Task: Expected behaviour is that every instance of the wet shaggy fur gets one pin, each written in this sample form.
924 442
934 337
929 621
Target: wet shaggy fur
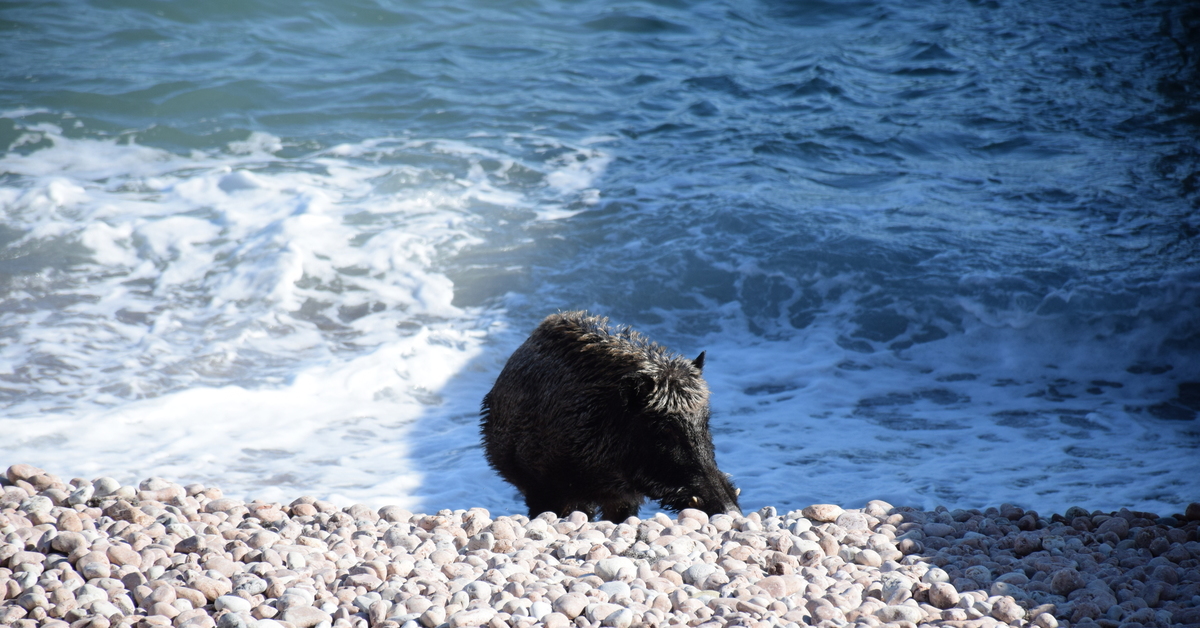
584 416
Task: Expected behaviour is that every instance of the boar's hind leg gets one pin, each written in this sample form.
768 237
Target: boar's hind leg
540 502
619 511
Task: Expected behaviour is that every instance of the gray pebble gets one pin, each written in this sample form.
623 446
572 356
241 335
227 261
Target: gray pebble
943 595
1064 581
938 529
900 612
234 620
36 504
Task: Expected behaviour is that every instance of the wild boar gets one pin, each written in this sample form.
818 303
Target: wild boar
585 415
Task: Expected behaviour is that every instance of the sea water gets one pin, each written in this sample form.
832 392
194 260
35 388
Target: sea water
938 253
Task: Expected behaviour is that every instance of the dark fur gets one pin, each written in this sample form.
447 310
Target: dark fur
584 416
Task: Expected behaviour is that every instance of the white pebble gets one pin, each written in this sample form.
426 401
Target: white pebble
81 495
616 568
105 486
232 603
935 575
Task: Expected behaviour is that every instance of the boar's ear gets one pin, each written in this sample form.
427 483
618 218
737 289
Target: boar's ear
635 387
699 361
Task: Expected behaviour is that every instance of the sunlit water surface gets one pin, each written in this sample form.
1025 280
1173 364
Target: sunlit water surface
937 252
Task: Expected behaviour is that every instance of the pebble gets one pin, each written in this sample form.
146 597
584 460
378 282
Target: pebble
433 617
823 512
943 595
570 604
1007 610
616 568
900 612
232 603
306 616
101 555
473 617
1064 581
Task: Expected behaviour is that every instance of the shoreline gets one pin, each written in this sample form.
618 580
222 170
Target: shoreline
95 554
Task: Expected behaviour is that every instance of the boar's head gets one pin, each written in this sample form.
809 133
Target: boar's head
678 467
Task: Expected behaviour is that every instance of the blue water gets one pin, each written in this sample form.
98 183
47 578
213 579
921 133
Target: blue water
938 252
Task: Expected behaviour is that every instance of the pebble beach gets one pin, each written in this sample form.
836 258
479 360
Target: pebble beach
96 554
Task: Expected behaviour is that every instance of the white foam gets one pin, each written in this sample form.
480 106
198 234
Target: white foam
336 430
964 422
272 326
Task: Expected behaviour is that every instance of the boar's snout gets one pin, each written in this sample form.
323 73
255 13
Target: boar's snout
717 497
718 508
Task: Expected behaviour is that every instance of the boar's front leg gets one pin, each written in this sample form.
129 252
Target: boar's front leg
540 502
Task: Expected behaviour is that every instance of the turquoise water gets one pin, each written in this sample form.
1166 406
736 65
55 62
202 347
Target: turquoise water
938 252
